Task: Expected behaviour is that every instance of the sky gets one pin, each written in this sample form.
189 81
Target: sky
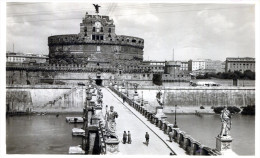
194 31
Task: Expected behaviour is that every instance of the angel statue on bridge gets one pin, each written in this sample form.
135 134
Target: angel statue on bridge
226 122
111 115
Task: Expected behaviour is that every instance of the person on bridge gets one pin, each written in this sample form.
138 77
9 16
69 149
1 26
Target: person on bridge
147 138
129 138
124 99
124 137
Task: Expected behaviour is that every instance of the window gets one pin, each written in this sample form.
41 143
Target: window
133 40
93 37
101 30
109 30
97 37
109 35
94 29
98 48
101 37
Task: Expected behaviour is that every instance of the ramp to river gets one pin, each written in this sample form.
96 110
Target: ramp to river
138 125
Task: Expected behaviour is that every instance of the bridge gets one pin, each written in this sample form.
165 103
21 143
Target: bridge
130 120
135 118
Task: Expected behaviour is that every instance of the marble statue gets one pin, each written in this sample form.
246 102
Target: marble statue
111 115
225 117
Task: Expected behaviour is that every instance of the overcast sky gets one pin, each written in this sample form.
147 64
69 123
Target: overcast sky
209 31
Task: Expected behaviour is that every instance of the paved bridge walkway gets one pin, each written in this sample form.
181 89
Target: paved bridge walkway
130 120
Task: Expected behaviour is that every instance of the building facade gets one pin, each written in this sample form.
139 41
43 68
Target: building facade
184 66
97 41
12 57
214 65
194 65
174 72
240 64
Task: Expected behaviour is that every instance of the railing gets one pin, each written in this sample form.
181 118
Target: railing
191 146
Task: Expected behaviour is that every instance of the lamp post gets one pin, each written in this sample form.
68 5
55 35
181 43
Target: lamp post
127 89
175 122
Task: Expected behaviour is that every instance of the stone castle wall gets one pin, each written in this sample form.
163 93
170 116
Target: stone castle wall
23 77
72 49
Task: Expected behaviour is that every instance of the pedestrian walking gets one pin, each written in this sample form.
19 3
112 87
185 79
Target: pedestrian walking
147 138
124 99
129 138
124 137
170 136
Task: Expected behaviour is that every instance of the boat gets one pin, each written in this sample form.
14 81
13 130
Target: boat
76 150
78 132
204 84
74 119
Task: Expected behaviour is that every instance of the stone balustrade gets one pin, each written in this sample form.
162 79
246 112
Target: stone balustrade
190 145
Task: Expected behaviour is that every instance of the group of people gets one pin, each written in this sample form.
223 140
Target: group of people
127 137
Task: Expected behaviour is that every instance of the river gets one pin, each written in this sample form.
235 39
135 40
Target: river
52 135
46 134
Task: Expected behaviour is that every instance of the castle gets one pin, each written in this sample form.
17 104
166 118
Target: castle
95 52
96 43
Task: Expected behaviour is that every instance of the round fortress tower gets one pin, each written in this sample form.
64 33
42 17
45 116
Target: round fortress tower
96 42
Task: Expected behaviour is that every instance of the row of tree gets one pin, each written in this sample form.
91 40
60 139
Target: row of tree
248 74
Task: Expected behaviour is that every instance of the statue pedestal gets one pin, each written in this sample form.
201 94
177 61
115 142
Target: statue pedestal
97 116
159 113
135 96
223 144
123 90
112 146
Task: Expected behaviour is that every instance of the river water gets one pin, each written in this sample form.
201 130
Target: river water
40 134
52 135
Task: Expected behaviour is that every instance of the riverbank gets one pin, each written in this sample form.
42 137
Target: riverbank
187 110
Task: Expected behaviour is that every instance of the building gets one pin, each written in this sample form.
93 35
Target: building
154 66
96 41
12 57
174 72
214 65
240 64
196 65
184 66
